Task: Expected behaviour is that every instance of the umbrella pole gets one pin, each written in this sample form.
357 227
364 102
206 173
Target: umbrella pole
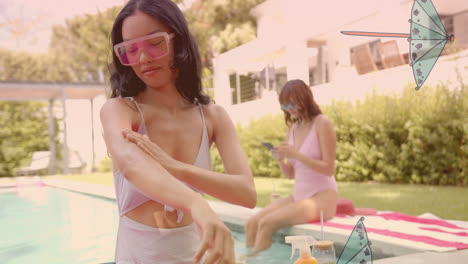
376 34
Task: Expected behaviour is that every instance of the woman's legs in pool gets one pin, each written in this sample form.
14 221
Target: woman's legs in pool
252 222
297 212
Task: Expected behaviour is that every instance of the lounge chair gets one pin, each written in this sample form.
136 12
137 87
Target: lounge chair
39 164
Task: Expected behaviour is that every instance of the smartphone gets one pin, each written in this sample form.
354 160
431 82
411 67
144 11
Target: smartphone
267 145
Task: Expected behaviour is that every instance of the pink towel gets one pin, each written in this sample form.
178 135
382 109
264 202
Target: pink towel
416 232
345 206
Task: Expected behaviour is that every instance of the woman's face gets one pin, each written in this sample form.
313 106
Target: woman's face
292 107
153 72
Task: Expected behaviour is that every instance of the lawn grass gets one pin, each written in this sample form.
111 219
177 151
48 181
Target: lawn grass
444 201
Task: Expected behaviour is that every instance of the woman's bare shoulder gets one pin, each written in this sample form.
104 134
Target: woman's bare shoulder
215 113
321 118
116 107
218 120
324 123
112 103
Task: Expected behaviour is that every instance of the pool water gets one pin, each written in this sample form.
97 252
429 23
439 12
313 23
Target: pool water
48 225
278 253
55 226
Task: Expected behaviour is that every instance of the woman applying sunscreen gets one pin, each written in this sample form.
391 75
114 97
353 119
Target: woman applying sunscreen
158 128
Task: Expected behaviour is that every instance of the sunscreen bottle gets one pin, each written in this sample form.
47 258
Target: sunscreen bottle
303 243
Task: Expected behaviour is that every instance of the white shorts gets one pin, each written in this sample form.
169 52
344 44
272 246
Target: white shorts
141 244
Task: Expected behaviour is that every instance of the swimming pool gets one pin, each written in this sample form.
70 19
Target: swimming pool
55 226
49 225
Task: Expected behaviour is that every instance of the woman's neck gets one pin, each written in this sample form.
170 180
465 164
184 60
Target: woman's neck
167 98
303 122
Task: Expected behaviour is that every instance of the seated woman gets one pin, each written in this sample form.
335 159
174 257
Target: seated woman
308 156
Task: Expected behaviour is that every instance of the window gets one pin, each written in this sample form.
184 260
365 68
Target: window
245 90
449 28
448 24
374 52
281 78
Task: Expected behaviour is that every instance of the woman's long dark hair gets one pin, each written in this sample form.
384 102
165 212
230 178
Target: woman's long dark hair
124 82
300 93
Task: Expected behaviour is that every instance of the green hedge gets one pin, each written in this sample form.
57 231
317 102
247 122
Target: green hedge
104 165
23 130
415 137
265 129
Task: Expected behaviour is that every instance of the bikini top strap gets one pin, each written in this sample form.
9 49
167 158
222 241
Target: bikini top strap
142 123
201 113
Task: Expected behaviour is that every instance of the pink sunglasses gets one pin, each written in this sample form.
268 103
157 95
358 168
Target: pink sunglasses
155 46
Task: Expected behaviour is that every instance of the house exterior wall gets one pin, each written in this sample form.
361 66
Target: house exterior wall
350 87
292 23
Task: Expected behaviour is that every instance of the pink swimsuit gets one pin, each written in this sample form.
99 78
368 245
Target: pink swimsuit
141 244
308 182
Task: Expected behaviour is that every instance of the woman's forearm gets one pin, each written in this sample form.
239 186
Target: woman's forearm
286 168
156 182
231 188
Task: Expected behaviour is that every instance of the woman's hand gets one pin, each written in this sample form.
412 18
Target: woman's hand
285 151
153 150
276 155
217 244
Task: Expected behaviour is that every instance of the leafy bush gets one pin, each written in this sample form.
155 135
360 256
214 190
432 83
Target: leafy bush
417 137
265 129
23 130
104 165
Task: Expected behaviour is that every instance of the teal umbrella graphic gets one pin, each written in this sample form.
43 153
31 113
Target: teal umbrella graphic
427 39
357 249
